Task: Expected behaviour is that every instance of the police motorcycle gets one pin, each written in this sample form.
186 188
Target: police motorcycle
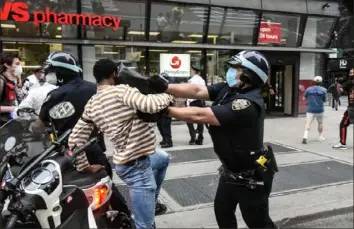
41 187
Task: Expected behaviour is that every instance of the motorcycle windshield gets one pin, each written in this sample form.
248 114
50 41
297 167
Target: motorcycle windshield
23 135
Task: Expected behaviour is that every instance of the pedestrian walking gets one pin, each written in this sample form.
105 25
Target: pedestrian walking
348 116
316 96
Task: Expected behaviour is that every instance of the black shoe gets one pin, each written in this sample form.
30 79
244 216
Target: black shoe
160 209
304 141
162 142
199 141
167 145
192 141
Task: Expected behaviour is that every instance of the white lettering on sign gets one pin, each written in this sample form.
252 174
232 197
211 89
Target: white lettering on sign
269 32
343 63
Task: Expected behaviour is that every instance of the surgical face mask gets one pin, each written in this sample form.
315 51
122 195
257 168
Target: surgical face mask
18 71
231 77
51 78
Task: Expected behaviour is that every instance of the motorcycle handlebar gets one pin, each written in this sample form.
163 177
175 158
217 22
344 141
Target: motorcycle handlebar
43 155
11 222
83 147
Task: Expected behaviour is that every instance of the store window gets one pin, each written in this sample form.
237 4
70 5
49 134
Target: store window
230 26
318 32
279 30
129 19
91 54
297 6
182 24
45 20
33 55
217 68
250 4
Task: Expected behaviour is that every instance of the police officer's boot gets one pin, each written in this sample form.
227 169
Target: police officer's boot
200 139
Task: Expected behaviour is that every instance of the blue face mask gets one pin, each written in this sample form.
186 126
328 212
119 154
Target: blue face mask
231 77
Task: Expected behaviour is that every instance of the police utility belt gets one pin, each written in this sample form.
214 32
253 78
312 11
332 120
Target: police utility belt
265 166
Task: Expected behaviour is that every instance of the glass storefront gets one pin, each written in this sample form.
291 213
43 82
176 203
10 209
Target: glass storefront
132 20
231 26
183 24
280 30
33 55
318 32
92 53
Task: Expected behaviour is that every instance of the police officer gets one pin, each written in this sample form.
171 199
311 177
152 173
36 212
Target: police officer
74 89
236 121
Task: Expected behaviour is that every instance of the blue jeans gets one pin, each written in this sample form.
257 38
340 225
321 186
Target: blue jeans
144 178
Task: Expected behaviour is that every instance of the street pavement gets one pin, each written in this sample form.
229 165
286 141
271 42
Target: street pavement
313 178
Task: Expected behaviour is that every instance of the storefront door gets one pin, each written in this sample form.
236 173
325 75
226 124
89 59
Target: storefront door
276 100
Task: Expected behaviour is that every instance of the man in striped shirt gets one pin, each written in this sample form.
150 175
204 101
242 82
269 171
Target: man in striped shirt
137 162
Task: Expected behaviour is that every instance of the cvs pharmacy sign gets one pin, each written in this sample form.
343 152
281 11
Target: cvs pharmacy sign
19 12
269 32
175 65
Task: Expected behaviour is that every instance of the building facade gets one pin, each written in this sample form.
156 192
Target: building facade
340 62
169 36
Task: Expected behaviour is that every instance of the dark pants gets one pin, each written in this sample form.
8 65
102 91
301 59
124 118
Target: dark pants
95 155
348 118
335 101
254 204
200 127
164 126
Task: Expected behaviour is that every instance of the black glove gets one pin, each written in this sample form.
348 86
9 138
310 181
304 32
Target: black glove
159 83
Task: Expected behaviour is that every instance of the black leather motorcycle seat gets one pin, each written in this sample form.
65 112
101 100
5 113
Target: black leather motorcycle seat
83 179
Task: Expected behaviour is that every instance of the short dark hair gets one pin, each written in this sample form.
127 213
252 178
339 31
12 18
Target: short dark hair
7 58
103 69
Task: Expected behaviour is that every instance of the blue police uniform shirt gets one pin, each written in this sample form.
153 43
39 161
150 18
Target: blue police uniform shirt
229 114
316 97
77 91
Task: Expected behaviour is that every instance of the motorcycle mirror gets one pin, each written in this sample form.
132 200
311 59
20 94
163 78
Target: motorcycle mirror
62 110
10 143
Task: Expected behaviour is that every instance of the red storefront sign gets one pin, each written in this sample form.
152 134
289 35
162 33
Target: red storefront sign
269 32
22 14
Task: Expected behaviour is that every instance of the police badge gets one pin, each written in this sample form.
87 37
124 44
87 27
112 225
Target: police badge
240 104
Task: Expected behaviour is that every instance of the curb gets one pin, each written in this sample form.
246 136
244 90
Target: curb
286 222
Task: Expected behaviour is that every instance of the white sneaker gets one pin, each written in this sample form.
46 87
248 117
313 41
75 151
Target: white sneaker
340 146
321 138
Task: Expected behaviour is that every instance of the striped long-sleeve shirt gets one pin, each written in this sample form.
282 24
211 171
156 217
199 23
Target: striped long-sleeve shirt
113 111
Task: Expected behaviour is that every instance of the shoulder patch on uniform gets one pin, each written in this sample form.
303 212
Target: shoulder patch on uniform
240 104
